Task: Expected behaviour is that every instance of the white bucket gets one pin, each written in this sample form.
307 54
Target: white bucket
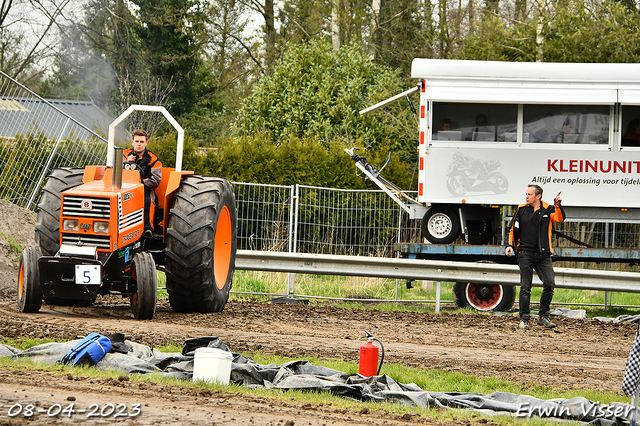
212 365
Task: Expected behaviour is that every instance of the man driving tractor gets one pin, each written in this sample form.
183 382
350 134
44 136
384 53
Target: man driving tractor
150 168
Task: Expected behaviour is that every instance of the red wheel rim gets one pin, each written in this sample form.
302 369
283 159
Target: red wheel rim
222 248
21 281
484 297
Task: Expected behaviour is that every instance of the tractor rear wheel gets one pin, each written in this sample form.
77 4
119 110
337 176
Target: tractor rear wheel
29 289
143 301
48 217
484 297
201 245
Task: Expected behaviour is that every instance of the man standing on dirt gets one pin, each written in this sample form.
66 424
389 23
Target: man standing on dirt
530 240
150 169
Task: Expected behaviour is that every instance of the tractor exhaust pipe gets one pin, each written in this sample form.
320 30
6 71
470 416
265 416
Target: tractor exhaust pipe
116 179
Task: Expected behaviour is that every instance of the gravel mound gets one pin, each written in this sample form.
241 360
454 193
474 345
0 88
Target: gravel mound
17 230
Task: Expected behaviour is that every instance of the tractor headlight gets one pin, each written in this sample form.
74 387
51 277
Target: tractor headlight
70 225
101 227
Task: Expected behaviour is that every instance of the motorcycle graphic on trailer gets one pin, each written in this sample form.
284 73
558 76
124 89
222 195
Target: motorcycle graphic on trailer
468 174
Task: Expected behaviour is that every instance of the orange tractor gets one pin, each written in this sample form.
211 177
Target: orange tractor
89 231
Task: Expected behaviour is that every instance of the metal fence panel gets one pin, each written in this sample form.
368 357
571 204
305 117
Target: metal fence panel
349 222
36 138
308 219
264 216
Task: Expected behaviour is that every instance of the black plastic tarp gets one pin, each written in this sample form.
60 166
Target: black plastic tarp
302 375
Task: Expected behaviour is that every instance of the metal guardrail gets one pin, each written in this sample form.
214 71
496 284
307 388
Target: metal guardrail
436 270
466 252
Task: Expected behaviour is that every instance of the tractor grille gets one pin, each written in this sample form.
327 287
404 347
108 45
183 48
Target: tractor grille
126 221
98 208
99 241
134 218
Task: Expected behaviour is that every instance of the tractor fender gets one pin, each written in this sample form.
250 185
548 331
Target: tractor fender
168 186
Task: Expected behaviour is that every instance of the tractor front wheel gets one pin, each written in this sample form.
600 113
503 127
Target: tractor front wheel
29 289
143 301
201 245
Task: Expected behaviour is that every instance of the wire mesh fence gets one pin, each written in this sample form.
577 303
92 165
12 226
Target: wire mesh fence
36 137
308 219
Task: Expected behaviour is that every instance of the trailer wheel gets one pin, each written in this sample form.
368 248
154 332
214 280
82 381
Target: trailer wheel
29 289
48 217
143 301
440 225
201 245
480 232
484 297
482 238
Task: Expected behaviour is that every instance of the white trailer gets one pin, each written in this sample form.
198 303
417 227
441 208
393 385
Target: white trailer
488 129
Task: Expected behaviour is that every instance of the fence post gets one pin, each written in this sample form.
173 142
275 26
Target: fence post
291 278
400 211
36 190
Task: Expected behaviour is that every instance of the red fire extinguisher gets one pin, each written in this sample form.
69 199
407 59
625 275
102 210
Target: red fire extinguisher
369 356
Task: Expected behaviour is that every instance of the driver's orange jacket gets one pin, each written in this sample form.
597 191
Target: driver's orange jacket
150 167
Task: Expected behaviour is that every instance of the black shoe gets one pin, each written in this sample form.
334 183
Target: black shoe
546 322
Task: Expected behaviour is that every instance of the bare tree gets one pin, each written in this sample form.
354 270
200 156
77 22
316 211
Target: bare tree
266 9
147 90
27 36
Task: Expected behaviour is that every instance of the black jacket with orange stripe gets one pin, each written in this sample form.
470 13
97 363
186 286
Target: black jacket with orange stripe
150 165
549 215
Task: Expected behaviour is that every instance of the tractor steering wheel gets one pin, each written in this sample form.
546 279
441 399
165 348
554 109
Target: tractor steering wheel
131 165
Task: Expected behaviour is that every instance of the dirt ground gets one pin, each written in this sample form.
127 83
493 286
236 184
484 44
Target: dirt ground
576 355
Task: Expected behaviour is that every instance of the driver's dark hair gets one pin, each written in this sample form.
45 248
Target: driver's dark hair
139 132
537 189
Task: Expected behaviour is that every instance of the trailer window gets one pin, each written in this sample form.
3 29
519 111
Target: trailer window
630 126
569 124
474 122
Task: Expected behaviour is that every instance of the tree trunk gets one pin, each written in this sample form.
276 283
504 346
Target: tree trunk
428 17
335 24
375 13
443 27
520 10
539 39
270 32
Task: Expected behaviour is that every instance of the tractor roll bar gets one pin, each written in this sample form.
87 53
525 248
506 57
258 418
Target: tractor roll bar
112 134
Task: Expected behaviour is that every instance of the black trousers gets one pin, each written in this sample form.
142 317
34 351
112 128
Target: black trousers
150 202
527 262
